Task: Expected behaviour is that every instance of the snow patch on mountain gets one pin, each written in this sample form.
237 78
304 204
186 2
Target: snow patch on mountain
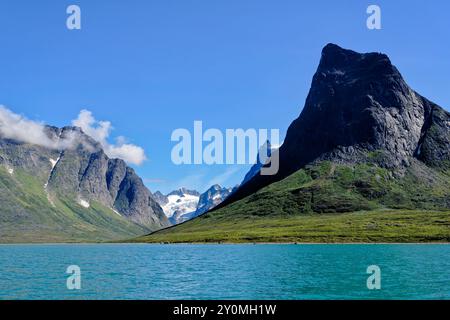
183 204
54 162
180 204
84 203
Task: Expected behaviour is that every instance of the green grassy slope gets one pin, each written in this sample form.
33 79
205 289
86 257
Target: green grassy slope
331 202
363 226
26 215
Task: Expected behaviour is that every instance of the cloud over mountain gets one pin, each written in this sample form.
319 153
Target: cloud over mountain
100 131
18 127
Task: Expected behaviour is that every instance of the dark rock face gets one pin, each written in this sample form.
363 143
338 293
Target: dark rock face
115 174
84 173
434 144
358 105
160 198
29 157
135 201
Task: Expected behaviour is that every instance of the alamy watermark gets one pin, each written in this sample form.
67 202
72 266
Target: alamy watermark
235 146
73 281
374 280
373 22
73 21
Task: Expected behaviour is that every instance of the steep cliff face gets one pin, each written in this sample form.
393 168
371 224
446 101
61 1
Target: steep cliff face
434 143
357 102
136 202
81 174
359 105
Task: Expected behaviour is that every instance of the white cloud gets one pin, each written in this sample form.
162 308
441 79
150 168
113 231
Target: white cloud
14 126
128 152
100 131
18 127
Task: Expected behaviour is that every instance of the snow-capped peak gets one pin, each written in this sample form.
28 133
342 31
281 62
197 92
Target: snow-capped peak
178 202
183 204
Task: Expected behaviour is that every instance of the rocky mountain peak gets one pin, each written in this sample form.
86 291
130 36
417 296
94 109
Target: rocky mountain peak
72 165
334 57
183 191
215 187
212 197
160 198
359 106
356 101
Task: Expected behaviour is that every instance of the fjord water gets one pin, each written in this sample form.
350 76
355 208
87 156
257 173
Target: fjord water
142 271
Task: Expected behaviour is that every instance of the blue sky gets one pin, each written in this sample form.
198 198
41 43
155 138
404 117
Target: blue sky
151 67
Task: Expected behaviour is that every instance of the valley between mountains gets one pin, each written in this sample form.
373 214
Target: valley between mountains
367 160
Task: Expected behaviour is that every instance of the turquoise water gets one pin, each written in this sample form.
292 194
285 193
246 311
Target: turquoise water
138 271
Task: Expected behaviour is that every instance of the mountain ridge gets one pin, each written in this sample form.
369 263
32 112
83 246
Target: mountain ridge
76 173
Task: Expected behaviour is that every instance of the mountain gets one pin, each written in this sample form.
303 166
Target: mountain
184 191
368 154
183 204
72 192
160 198
208 200
178 203
254 170
358 104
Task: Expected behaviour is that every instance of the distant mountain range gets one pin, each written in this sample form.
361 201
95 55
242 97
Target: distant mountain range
184 204
178 203
65 188
368 159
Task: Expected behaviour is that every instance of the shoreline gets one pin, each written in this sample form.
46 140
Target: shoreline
222 243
